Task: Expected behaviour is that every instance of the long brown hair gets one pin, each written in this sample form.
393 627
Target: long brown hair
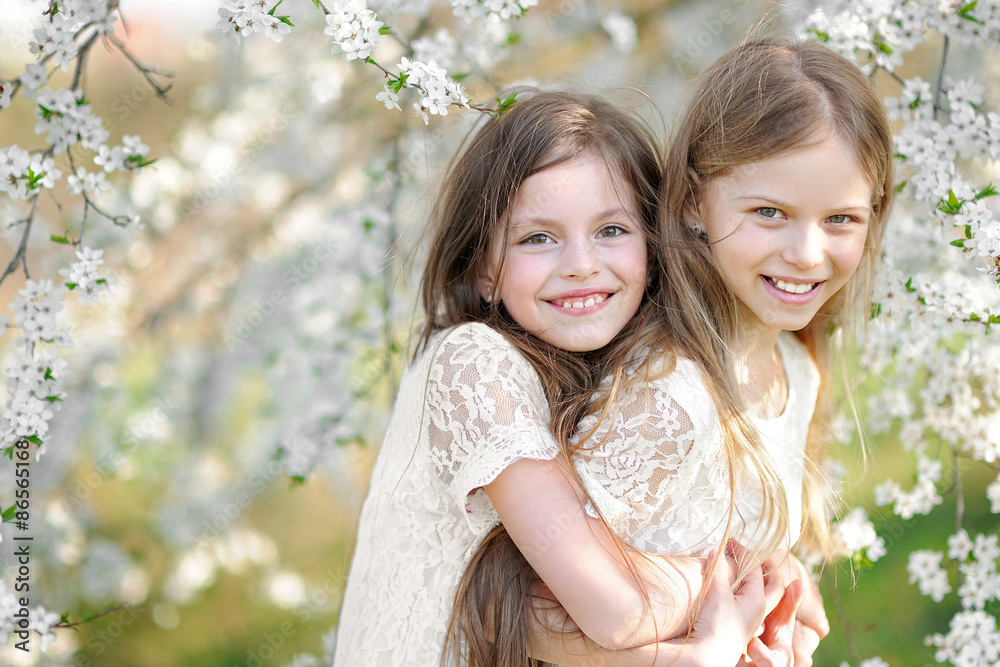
542 130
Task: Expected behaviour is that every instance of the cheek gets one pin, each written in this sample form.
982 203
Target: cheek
851 256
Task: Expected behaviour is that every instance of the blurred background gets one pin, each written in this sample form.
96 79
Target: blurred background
223 410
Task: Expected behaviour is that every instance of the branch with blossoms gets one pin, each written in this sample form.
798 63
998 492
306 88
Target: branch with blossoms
356 31
67 32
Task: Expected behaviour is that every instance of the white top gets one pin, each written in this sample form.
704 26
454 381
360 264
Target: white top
661 479
468 407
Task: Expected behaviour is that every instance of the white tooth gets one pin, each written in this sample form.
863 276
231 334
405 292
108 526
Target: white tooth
589 303
599 299
567 304
578 304
793 288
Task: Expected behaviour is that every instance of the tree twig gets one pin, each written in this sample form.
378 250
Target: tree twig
147 72
940 81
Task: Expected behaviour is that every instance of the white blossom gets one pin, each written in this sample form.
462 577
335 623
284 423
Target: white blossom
470 10
41 621
354 28
622 30
855 532
924 567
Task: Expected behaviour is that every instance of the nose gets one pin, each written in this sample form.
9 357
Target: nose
806 247
580 259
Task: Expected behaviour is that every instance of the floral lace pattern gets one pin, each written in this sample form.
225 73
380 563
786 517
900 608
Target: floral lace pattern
468 407
657 471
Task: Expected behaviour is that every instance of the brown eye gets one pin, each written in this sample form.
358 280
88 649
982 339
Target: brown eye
611 231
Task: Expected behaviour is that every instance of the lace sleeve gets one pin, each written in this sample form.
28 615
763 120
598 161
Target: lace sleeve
653 468
486 410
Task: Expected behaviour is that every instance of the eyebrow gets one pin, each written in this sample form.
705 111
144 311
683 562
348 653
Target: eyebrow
607 214
851 208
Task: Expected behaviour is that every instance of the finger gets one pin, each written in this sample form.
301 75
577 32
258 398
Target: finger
750 599
774 591
804 643
780 623
811 611
778 655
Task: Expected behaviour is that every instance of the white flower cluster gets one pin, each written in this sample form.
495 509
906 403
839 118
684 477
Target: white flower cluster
54 40
34 378
355 29
973 639
436 90
23 173
84 276
924 567
921 499
130 156
855 533
879 33
242 18
39 620
469 10
67 120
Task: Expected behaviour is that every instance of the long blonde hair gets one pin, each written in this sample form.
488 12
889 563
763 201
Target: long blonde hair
763 98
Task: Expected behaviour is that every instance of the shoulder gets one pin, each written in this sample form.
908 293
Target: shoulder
474 342
475 354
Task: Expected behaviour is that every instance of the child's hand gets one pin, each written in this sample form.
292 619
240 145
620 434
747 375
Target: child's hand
729 619
811 624
773 648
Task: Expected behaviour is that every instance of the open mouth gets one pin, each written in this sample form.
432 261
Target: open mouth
790 287
581 301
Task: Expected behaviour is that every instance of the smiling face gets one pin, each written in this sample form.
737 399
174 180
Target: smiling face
574 269
788 232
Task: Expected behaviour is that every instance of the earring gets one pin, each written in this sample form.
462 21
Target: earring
489 297
696 229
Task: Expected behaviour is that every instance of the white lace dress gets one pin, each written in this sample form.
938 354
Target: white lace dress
467 408
661 480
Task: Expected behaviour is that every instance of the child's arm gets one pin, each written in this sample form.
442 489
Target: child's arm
578 558
725 626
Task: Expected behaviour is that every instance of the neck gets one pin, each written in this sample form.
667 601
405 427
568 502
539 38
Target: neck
761 374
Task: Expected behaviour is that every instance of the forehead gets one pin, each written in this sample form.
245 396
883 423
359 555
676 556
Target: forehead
822 173
585 183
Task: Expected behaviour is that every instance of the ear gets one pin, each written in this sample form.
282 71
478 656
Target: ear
485 282
692 213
